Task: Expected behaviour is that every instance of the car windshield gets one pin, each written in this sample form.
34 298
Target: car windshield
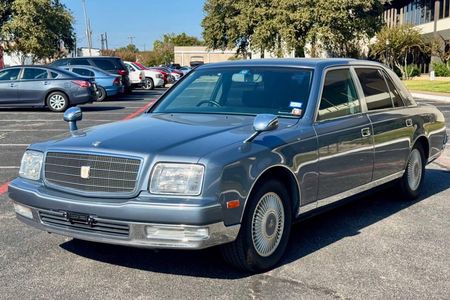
241 90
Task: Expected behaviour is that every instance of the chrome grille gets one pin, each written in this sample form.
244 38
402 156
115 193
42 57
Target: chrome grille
104 227
106 173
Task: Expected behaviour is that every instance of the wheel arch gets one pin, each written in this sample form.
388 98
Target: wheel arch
424 143
285 176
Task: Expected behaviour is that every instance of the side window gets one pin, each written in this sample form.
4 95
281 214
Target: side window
395 94
339 96
34 73
54 75
10 74
80 61
105 64
83 72
375 89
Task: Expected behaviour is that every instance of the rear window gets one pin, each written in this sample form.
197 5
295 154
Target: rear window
109 64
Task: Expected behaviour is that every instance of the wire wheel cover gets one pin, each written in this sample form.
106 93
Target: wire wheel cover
414 169
267 224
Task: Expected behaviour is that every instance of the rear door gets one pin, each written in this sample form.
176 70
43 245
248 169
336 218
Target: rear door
393 128
343 135
9 86
33 86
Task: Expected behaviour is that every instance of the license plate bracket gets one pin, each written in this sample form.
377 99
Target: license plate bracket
80 218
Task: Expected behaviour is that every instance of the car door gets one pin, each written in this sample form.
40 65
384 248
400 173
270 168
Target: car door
344 138
392 125
9 86
33 85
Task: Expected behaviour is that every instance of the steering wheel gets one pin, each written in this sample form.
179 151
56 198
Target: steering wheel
214 103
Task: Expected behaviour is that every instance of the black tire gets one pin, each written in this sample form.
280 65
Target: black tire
148 84
411 185
57 101
101 94
242 253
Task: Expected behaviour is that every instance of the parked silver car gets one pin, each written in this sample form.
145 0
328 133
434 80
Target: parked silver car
231 156
40 86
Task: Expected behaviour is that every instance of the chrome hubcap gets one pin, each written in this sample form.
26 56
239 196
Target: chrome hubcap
57 102
414 170
267 224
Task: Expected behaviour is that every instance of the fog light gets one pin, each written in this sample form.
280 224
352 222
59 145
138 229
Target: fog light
178 233
23 211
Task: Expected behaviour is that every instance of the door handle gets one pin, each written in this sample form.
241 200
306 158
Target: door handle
13 84
45 82
365 132
409 123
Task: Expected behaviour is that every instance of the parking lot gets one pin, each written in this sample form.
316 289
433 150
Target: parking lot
374 247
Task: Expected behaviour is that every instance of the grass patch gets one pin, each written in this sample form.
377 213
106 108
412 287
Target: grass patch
428 86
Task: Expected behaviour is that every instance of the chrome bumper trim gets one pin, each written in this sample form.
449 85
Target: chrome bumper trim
218 233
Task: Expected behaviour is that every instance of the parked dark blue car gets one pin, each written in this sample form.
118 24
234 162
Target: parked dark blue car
41 86
108 84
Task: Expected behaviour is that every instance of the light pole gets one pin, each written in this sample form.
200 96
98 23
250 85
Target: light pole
88 28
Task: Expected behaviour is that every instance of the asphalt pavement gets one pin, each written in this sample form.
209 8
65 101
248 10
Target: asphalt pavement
373 247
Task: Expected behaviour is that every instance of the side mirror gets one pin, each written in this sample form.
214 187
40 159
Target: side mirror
263 122
72 115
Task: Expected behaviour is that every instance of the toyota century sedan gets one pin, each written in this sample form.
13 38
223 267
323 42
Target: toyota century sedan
232 155
42 86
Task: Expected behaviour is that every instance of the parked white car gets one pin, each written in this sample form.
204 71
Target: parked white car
151 78
137 76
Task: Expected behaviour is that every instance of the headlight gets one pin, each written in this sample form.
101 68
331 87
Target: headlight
179 179
31 165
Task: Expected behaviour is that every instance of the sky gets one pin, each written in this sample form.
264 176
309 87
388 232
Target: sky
145 20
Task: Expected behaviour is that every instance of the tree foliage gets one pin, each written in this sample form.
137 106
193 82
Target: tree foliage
286 25
40 28
395 45
164 49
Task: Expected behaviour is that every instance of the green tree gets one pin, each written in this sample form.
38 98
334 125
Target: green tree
40 28
164 48
285 25
129 48
395 45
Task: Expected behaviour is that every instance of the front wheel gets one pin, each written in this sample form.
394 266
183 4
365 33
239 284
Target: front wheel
265 230
411 182
57 101
148 84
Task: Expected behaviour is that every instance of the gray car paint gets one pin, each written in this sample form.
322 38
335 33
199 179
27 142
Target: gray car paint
22 92
303 151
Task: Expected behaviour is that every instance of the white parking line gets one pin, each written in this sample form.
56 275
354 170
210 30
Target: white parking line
14 145
9 167
39 130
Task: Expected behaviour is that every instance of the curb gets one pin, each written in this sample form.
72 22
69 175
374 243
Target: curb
431 97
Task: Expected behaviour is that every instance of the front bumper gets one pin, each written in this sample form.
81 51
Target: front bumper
132 222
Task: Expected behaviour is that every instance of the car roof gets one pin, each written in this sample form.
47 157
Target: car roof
33 66
297 62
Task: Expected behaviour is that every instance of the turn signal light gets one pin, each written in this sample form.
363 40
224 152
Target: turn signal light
233 203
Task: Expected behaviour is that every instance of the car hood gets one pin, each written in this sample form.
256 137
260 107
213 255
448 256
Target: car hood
183 135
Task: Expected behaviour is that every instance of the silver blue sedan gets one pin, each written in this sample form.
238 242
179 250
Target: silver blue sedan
42 86
108 84
232 155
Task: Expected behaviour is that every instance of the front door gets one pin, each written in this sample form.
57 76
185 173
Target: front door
9 86
344 136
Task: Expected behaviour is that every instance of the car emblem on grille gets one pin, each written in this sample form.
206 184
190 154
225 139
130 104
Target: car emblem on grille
96 144
85 172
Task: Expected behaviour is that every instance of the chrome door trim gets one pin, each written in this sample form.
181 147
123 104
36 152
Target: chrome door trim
352 192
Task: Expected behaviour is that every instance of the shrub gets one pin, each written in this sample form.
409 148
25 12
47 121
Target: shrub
441 69
412 71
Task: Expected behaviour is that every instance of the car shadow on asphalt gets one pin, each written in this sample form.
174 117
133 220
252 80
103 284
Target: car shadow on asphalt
307 236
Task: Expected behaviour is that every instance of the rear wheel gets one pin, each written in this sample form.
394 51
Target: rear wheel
101 93
265 230
148 84
57 101
411 182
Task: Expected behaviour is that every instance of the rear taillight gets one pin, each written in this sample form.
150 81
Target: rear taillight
122 72
140 77
82 83
116 81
